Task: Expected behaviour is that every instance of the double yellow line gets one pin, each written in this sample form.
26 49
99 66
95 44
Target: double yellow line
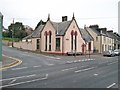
15 63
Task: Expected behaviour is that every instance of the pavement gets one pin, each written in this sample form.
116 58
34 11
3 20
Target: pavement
8 62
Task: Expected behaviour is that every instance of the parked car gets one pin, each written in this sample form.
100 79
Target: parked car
117 52
109 53
73 53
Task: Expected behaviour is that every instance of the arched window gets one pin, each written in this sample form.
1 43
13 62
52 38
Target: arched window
75 40
45 40
50 34
72 33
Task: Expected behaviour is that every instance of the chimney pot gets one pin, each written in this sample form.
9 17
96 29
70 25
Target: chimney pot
64 18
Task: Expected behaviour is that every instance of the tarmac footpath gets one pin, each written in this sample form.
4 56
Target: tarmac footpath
9 62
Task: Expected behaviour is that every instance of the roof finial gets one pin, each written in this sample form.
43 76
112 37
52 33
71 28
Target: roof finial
73 16
85 26
13 20
48 17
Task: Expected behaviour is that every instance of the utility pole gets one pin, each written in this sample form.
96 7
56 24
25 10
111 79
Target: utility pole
1 26
13 33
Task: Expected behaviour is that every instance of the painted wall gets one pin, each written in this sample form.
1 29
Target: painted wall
67 39
48 27
30 45
96 43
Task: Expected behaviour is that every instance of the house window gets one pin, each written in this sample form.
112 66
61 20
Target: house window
96 38
104 39
102 47
72 33
89 46
38 42
105 47
45 40
50 33
57 44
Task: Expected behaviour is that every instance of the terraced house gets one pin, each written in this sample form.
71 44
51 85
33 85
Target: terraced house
103 39
58 37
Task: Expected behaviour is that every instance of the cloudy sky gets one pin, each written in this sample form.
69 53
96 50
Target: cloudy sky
89 12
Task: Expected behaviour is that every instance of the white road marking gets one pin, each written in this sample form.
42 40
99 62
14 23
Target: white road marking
68 69
50 57
82 60
25 54
12 81
111 63
69 61
75 61
46 76
19 68
50 64
95 74
111 85
18 77
37 66
84 69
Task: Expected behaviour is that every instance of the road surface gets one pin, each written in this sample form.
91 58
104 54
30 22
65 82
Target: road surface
41 71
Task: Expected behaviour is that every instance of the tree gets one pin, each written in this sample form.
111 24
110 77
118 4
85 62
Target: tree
5 34
17 30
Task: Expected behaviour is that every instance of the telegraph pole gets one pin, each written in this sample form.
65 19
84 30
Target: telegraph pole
12 33
1 26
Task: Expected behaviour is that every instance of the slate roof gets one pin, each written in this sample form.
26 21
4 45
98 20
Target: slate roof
36 33
98 30
111 35
94 30
85 35
61 27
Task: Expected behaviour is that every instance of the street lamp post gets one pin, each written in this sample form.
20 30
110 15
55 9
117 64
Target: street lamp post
12 38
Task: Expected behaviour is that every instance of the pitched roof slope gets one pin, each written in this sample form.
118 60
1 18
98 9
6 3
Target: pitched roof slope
36 33
85 35
61 27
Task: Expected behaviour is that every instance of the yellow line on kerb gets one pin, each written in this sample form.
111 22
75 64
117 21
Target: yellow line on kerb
15 63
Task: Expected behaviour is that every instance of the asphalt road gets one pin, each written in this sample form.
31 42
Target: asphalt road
41 71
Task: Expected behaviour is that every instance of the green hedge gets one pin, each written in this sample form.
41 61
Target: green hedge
10 39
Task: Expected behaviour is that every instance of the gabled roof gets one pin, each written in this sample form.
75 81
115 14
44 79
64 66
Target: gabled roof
117 36
94 30
85 35
61 27
36 33
111 34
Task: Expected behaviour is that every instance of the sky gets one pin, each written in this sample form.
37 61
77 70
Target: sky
87 12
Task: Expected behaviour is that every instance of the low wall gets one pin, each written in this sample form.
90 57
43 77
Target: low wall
25 45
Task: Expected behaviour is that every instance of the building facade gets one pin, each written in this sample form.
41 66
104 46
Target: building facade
59 38
103 40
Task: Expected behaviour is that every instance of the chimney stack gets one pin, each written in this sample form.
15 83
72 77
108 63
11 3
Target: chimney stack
64 18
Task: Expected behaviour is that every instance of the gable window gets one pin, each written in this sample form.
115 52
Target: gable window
57 44
50 33
75 40
38 43
72 33
89 46
96 38
45 40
